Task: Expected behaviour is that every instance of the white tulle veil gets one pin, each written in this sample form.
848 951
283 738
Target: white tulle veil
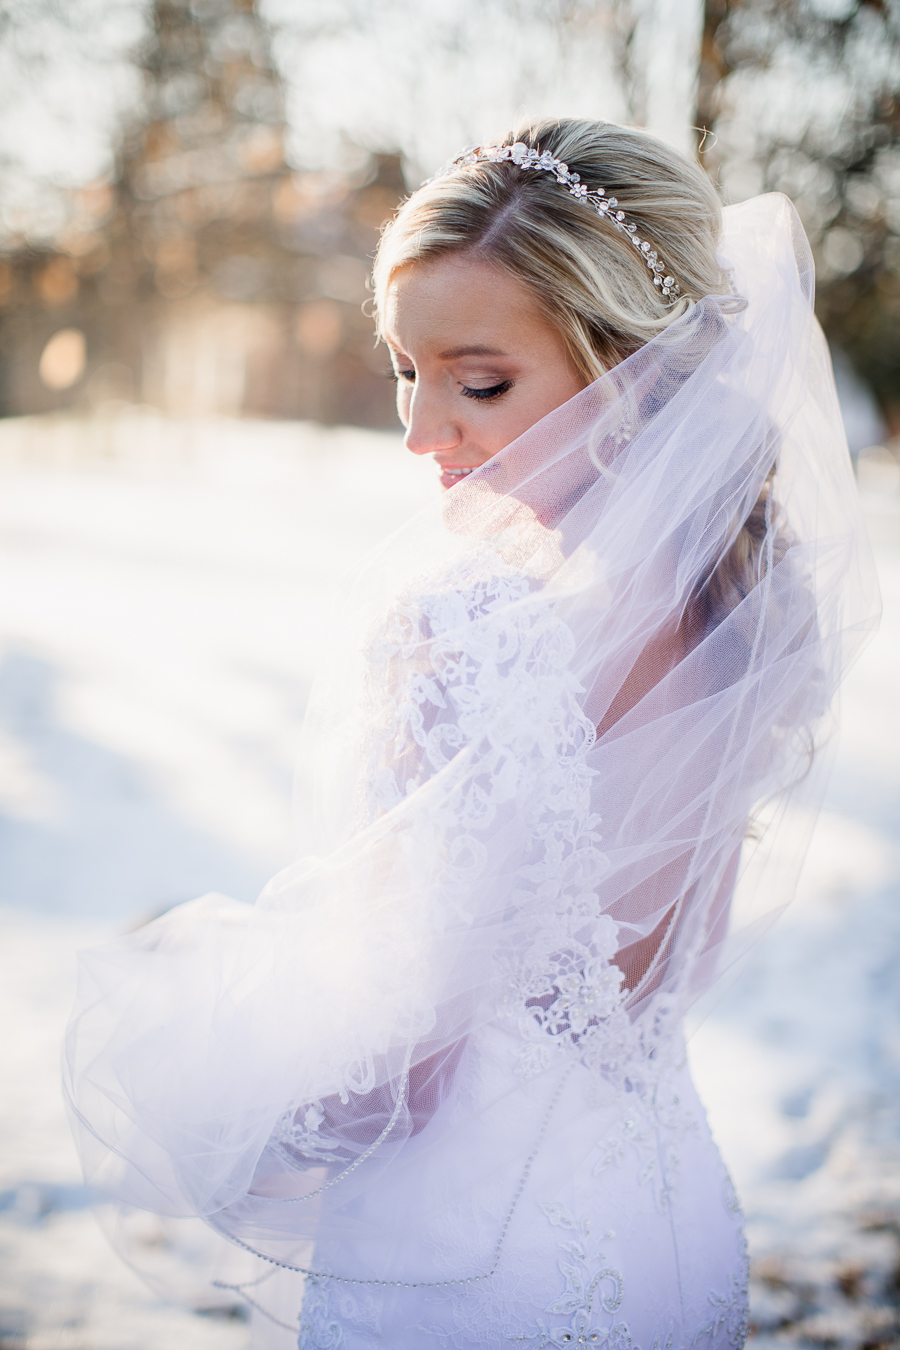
551 781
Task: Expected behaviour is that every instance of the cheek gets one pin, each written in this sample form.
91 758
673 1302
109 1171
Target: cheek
505 426
521 415
404 397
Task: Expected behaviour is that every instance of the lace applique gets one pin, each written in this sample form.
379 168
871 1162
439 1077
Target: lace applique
731 1312
298 1132
592 1288
730 1195
654 1131
327 1308
563 994
468 658
461 660
317 1329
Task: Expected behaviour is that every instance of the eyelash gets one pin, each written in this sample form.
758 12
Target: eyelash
482 395
485 395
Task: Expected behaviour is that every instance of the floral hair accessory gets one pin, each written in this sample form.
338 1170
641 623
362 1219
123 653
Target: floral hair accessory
526 158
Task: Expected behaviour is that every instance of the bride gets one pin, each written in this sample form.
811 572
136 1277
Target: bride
434 1083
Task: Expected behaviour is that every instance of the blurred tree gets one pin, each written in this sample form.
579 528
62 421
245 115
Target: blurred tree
206 271
804 98
431 77
659 56
205 274
66 79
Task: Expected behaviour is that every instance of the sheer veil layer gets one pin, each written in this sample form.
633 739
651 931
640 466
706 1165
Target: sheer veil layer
557 774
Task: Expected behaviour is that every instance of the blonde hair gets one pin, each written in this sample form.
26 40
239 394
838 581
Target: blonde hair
587 278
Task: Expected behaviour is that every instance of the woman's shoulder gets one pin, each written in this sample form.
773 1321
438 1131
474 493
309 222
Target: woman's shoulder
458 595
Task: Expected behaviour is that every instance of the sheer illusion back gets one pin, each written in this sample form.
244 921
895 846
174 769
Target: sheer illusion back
435 1075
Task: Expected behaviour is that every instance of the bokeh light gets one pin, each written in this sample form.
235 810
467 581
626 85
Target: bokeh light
63 359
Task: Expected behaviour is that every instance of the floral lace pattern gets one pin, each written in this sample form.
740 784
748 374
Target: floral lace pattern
318 1329
438 671
467 659
594 1292
473 659
653 1132
327 1308
730 1310
730 1314
300 1132
592 1288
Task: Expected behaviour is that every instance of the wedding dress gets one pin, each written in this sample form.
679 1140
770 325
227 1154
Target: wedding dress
556 778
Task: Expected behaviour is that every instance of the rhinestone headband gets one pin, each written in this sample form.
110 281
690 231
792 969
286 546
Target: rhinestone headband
525 158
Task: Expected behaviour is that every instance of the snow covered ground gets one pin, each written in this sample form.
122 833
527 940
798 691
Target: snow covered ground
162 588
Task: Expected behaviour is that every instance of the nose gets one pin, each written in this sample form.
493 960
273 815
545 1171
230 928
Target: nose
429 426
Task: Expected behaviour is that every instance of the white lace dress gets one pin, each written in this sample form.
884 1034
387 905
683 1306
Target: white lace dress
567 1192
435 1075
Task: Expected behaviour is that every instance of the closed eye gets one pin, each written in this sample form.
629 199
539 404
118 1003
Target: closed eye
495 391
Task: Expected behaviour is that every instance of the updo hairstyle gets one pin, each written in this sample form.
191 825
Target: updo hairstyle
586 276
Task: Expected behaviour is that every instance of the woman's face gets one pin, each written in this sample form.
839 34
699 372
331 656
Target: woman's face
476 361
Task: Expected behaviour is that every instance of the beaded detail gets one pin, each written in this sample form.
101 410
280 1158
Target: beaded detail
608 207
322 1275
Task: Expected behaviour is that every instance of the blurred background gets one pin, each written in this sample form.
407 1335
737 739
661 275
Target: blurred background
197 434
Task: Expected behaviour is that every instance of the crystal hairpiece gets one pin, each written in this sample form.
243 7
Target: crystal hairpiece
525 158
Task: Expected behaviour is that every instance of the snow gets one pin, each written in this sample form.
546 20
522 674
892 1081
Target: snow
162 589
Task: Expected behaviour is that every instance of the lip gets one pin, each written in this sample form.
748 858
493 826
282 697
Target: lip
451 474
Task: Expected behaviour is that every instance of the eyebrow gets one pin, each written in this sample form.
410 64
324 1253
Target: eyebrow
455 352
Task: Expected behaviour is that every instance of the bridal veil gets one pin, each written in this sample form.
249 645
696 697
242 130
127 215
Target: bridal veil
556 777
